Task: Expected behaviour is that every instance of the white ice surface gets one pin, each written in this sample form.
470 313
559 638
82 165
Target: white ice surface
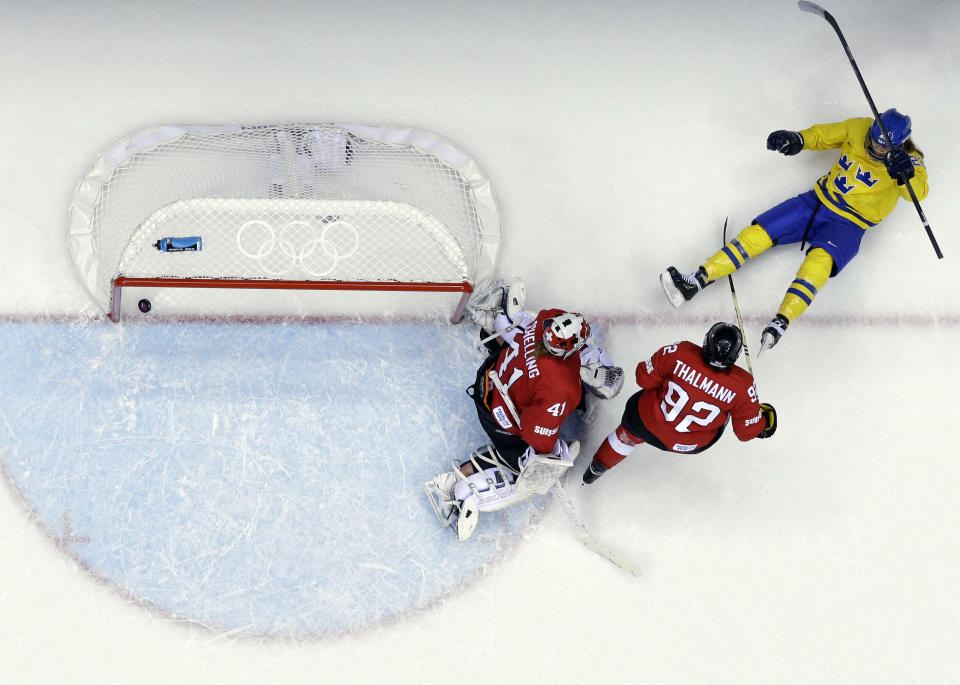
618 136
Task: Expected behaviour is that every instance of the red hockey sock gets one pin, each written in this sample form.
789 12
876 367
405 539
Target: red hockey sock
616 447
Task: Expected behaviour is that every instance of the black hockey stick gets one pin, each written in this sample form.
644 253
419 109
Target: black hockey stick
814 8
736 305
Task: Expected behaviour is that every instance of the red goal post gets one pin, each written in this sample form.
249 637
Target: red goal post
185 209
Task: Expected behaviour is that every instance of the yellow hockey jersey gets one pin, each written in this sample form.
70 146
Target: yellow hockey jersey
857 187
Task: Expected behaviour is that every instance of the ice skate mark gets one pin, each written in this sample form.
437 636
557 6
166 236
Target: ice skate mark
68 537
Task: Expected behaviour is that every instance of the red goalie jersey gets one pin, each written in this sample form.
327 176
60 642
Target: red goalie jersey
544 388
686 402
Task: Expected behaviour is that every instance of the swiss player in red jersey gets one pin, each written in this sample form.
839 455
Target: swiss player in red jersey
539 368
687 395
523 393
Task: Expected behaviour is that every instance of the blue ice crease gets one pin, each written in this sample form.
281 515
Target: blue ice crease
263 478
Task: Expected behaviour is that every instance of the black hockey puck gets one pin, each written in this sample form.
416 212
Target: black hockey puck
144 305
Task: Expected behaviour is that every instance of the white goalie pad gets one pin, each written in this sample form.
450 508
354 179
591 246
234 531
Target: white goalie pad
516 298
489 489
468 519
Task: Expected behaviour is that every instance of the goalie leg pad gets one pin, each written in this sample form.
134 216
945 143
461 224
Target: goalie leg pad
468 519
488 488
516 298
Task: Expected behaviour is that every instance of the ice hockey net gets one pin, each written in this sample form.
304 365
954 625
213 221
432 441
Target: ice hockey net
286 207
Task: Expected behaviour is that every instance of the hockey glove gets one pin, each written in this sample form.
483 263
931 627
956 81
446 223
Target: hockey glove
785 142
604 381
770 416
594 471
899 165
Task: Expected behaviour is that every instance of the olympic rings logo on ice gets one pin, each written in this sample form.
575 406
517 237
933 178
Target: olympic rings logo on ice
316 250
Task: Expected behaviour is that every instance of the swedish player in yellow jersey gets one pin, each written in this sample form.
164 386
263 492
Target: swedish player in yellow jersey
856 194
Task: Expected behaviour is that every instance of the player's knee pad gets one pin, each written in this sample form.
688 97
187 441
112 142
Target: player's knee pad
754 239
749 242
816 267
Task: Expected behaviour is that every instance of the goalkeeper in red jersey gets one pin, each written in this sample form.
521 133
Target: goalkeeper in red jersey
524 391
687 395
856 194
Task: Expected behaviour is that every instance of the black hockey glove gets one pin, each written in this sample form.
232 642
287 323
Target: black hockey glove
785 142
899 165
770 416
594 471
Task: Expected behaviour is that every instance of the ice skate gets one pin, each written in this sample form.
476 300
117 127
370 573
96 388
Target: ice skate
681 288
440 492
773 332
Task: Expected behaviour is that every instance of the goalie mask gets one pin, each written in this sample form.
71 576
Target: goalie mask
722 345
565 334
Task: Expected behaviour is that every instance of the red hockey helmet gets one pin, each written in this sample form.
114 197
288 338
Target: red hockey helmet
565 334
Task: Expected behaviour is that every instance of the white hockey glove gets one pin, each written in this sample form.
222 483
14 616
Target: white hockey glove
604 381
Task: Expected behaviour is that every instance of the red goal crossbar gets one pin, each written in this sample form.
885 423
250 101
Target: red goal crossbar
121 282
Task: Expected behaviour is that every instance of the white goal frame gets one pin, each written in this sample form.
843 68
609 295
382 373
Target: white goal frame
363 208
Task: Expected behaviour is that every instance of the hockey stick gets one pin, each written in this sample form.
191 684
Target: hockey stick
814 8
484 341
736 305
588 540
560 495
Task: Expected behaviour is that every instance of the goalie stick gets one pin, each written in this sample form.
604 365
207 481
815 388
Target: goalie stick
484 341
588 540
814 8
583 535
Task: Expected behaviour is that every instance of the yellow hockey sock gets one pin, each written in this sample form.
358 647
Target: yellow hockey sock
811 276
749 242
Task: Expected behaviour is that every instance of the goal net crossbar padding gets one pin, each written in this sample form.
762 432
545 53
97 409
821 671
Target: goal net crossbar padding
296 206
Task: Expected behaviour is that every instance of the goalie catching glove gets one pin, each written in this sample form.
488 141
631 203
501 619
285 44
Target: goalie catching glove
769 415
604 381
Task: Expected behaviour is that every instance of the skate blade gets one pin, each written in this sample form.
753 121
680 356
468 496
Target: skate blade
766 342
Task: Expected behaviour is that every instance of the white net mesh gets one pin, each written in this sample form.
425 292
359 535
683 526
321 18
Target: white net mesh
298 202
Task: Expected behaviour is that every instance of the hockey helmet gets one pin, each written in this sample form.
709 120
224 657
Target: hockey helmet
722 345
898 126
565 334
